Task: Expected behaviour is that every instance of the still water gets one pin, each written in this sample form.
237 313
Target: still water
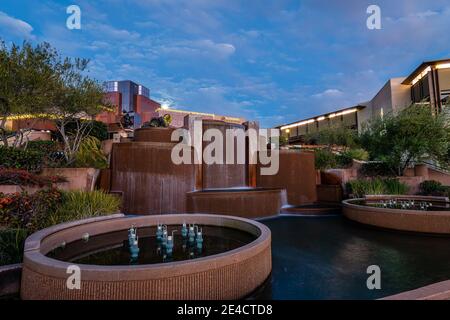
327 258
113 249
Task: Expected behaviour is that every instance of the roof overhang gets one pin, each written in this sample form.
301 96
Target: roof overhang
322 117
424 68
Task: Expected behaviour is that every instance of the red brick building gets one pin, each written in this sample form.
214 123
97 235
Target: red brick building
134 99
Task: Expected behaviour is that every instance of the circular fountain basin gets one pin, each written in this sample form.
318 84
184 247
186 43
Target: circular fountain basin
435 219
217 273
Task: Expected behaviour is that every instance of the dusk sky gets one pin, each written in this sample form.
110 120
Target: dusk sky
272 61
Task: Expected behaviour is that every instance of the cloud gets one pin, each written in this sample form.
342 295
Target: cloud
110 32
15 26
329 93
251 33
219 49
146 24
277 62
204 47
415 16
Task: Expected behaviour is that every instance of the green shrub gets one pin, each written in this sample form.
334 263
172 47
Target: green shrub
19 177
11 245
376 169
362 187
21 159
343 160
334 136
411 135
25 211
90 155
77 205
283 140
99 130
394 186
45 147
357 154
433 188
325 159
50 150
22 214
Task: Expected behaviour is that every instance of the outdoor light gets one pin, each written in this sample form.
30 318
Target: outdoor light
191 234
134 250
343 113
199 239
159 232
85 237
164 237
169 245
132 235
421 75
443 66
184 230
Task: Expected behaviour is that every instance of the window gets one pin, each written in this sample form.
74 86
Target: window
111 86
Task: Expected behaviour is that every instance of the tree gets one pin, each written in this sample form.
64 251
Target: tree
27 75
37 82
411 136
77 100
334 136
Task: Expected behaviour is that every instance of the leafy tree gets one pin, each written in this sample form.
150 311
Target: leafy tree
412 135
98 130
27 77
334 136
37 81
77 100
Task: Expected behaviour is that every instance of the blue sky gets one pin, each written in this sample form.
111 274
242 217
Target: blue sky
272 61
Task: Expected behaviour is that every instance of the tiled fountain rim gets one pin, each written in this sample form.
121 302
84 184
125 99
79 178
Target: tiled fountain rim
36 259
423 222
350 203
435 291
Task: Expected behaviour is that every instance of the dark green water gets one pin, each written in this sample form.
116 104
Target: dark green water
112 248
327 258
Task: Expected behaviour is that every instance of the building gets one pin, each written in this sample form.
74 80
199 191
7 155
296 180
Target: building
429 84
348 118
128 97
178 116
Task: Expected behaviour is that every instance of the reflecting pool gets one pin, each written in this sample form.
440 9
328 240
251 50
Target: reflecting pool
327 258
